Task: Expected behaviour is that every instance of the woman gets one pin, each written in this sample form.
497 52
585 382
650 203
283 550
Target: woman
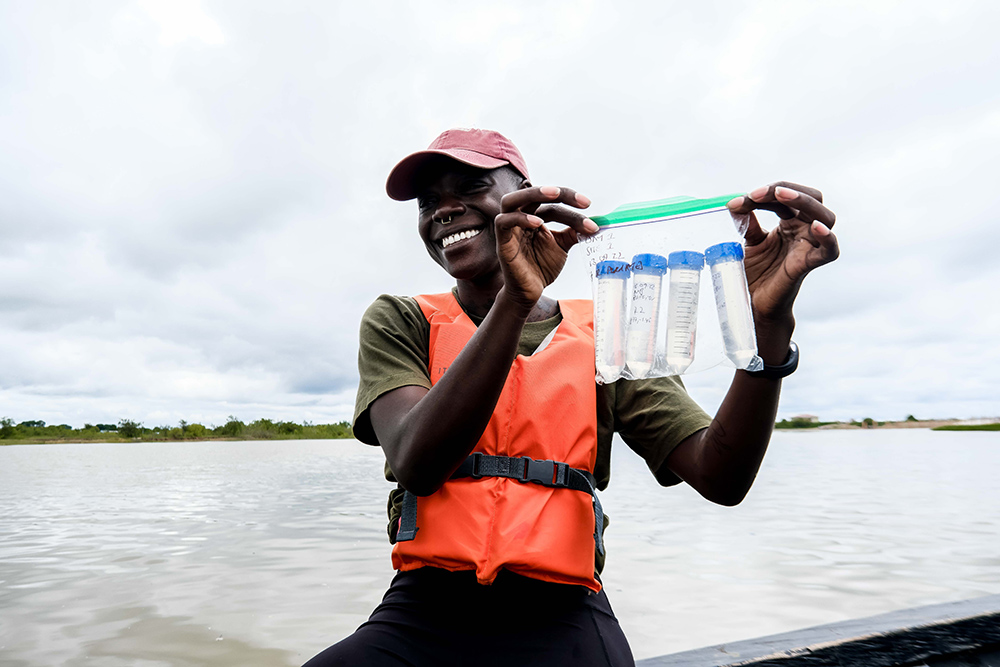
484 402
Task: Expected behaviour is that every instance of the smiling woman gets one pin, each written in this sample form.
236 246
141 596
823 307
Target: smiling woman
456 204
485 404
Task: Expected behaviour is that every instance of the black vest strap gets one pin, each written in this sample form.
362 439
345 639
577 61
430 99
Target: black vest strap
408 519
524 469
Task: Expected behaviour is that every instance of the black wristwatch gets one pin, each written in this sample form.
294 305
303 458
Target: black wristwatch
784 370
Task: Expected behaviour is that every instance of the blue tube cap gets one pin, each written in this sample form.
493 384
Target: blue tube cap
649 263
613 268
724 252
686 259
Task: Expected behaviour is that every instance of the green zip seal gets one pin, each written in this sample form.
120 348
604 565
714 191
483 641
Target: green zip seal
661 209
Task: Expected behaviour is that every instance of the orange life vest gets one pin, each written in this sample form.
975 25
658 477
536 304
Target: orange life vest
547 410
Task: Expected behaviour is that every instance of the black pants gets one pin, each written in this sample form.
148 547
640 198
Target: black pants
432 617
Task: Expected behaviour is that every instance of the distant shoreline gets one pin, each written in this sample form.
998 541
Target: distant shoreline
36 432
933 424
785 426
129 441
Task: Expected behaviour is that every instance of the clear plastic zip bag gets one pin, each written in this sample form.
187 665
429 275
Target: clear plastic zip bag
670 290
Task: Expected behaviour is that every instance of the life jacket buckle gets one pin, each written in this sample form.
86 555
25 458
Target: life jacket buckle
540 472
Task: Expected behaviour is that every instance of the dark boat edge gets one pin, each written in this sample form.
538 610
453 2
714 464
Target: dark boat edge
953 634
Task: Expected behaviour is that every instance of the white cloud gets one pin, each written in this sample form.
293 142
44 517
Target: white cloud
179 20
192 214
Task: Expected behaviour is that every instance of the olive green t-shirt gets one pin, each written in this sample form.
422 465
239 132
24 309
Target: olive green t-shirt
652 416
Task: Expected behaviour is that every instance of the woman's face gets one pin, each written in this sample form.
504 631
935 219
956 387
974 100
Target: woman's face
458 205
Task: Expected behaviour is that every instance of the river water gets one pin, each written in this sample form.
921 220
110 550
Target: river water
264 553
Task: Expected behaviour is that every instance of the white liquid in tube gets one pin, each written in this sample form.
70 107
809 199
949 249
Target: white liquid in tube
644 316
732 300
682 308
609 319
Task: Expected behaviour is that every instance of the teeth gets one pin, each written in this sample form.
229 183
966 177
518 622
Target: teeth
461 236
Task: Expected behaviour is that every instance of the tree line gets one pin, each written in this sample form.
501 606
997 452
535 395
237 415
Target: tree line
867 422
131 430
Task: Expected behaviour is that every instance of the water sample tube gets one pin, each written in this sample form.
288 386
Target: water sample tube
644 318
609 319
682 308
732 300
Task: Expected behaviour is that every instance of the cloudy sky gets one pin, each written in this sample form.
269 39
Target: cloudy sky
192 206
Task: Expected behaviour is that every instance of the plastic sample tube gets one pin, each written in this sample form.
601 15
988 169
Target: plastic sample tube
609 319
732 300
682 308
644 318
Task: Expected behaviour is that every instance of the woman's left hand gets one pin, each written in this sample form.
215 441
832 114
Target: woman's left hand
778 260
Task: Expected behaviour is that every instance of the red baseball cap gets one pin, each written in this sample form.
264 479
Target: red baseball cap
485 149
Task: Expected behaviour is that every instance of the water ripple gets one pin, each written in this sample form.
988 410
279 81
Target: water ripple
265 553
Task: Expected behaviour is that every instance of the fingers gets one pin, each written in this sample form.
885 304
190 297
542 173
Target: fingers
768 190
576 224
808 208
743 205
546 194
531 207
788 200
566 216
506 223
826 248
809 252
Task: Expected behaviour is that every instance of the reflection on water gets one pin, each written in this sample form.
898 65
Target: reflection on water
265 553
187 554
138 635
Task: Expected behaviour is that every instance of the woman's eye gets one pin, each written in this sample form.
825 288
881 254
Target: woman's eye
473 186
424 202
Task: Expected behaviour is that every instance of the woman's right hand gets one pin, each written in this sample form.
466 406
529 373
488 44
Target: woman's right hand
532 255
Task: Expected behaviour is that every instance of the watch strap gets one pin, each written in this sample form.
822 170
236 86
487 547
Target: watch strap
783 370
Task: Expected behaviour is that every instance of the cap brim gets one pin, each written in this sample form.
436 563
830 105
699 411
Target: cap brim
401 184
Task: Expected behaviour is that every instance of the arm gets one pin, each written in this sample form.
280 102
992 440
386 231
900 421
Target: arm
722 461
426 434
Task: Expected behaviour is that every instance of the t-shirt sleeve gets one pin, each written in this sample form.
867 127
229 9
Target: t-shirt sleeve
392 353
654 416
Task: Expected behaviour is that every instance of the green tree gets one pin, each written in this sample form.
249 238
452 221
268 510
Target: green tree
262 429
7 428
129 429
196 431
289 428
233 428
